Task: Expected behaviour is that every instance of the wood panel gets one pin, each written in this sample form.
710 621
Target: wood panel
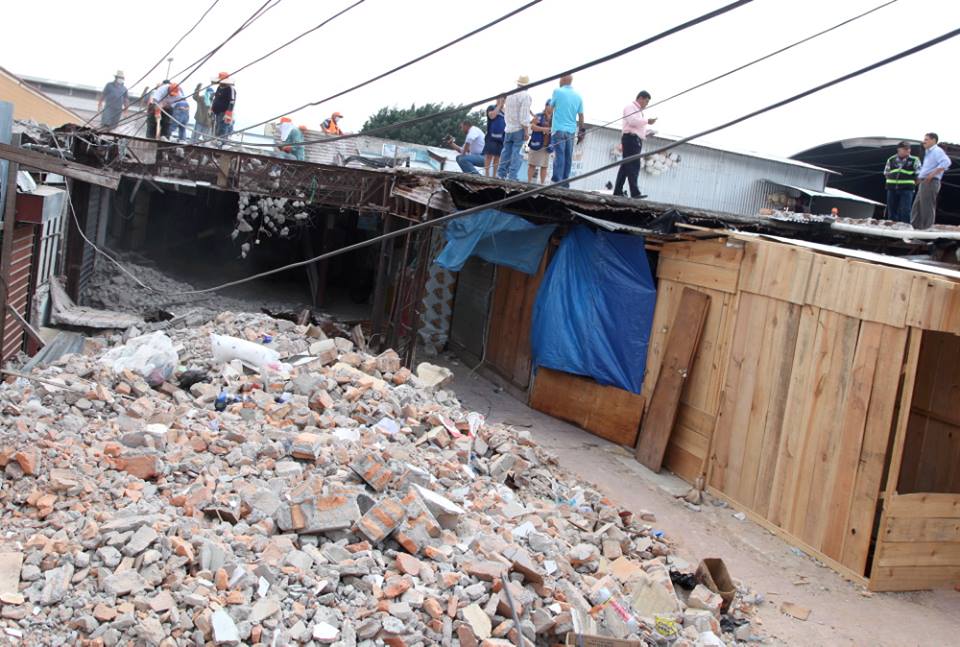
805 422
776 270
678 359
716 251
511 313
701 275
934 304
702 391
605 411
919 543
861 290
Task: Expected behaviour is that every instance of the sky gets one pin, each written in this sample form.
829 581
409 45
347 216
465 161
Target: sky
86 42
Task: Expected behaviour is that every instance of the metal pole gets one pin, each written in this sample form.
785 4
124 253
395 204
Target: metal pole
169 61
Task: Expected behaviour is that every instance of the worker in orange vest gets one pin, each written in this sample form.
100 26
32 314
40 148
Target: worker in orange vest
330 126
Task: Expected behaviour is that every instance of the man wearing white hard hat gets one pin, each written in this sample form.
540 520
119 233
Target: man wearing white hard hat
113 101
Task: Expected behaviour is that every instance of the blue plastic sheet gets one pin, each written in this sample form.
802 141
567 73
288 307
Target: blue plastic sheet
497 237
594 309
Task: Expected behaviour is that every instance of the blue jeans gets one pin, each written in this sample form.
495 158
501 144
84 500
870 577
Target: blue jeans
562 145
510 156
468 163
200 130
221 127
899 202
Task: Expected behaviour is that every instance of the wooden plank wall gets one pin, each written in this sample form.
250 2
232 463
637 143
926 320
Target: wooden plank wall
605 411
511 314
931 456
809 396
919 543
695 264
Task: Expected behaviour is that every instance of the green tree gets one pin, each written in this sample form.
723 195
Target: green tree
430 132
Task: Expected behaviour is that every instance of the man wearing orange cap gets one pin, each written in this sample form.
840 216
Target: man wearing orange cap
224 101
330 126
286 125
158 109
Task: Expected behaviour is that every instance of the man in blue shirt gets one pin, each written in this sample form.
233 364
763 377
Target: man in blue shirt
567 124
935 163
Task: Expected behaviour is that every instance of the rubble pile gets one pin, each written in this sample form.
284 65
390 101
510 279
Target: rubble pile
331 498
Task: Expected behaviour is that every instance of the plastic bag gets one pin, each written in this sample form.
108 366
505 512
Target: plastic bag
151 356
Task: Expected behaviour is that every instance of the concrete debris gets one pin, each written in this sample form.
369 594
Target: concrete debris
249 509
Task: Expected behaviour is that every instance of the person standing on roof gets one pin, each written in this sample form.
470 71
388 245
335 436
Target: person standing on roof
293 144
154 100
113 101
935 164
538 156
516 110
331 126
224 101
636 127
900 172
203 119
566 128
493 142
166 110
471 153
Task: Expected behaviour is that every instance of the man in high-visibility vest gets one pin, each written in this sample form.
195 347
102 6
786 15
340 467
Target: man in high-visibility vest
901 174
331 126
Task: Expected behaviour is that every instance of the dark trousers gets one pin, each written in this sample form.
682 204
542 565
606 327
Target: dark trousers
632 144
899 202
151 124
166 124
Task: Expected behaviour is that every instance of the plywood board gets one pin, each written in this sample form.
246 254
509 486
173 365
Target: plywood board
776 270
723 279
934 304
605 411
861 290
717 252
511 313
680 349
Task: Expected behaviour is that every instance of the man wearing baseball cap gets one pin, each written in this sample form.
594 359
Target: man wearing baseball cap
516 110
115 97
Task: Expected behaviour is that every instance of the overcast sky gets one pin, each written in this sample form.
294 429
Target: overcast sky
85 42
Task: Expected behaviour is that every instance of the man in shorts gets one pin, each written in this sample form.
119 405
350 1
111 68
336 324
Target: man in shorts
538 154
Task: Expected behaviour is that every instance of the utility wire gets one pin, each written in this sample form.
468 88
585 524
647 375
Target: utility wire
540 189
192 67
459 109
162 58
412 61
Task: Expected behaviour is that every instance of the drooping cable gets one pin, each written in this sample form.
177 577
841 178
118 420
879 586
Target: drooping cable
540 189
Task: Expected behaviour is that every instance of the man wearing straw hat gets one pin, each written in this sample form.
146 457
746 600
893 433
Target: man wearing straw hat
115 97
516 110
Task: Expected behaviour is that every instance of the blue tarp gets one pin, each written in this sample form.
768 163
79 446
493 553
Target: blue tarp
594 309
497 237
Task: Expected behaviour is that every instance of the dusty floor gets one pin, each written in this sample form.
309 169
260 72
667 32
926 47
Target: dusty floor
842 613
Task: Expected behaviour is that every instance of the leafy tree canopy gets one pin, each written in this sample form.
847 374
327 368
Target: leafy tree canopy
428 133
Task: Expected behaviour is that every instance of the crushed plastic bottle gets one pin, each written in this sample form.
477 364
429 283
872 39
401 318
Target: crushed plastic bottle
602 597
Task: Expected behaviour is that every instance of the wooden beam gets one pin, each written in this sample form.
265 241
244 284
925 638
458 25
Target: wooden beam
50 164
30 330
678 359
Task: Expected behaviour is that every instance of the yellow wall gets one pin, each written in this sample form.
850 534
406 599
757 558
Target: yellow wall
31 104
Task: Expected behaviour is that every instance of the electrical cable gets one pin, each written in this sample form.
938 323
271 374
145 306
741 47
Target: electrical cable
162 58
259 13
459 109
540 189
412 61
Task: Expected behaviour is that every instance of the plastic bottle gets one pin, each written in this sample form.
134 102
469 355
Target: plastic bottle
601 597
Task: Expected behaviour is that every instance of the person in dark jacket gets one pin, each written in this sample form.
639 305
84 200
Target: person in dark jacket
900 173
493 143
224 101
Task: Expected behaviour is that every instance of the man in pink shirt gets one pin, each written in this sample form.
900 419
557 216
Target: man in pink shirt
635 130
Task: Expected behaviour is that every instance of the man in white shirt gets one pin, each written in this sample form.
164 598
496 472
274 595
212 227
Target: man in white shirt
516 110
471 153
935 164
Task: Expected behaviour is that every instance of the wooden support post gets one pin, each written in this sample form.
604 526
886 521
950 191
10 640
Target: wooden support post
680 350
380 287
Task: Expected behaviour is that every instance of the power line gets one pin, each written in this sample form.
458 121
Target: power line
195 65
540 189
452 111
162 58
412 61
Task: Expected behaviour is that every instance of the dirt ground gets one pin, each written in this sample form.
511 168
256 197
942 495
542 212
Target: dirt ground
842 613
